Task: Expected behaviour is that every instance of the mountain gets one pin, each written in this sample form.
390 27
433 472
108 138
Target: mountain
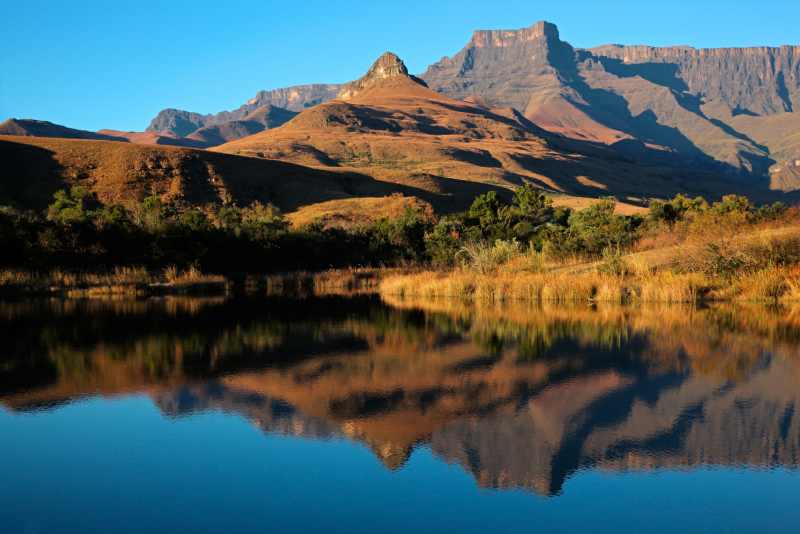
724 110
389 125
37 128
297 98
258 119
262 118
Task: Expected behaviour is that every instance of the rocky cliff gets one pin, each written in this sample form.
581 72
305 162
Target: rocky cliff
684 102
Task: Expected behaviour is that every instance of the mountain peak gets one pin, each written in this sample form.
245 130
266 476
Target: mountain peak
386 67
501 38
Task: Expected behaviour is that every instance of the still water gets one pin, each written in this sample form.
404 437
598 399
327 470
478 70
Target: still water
355 415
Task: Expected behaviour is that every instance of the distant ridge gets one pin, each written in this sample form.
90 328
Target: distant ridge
289 99
39 128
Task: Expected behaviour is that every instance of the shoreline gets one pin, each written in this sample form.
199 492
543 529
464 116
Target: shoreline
138 283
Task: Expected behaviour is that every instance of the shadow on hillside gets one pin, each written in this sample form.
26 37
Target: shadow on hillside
30 175
646 126
291 186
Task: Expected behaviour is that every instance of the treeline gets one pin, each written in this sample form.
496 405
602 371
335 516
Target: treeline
78 232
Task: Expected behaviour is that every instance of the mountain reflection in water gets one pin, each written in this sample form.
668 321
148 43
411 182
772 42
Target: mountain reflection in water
519 396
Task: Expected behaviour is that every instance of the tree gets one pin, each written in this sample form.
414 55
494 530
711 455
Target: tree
594 229
531 210
487 217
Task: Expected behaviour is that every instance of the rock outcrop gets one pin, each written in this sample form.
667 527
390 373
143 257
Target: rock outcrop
385 67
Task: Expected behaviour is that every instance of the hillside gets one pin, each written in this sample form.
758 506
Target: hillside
37 128
703 108
150 138
120 172
392 127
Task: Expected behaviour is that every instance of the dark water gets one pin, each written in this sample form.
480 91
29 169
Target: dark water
347 414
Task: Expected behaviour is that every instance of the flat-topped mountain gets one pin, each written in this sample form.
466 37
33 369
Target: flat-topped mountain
725 110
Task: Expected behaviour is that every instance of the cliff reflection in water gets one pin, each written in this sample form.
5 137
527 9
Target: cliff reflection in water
521 397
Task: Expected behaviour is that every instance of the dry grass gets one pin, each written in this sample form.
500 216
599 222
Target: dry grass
332 282
191 276
762 265
590 286
354 212
120 281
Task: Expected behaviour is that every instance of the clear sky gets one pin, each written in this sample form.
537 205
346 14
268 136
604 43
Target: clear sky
95 64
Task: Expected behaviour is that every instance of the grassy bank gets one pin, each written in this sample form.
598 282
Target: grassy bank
751 264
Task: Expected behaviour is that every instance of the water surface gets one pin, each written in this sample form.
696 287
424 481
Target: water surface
354 415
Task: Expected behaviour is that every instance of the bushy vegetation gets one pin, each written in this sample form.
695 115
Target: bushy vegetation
77 232
681 250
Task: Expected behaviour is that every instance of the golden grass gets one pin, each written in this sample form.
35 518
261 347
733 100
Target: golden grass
354 212
332 282
562 287
765 260
120 281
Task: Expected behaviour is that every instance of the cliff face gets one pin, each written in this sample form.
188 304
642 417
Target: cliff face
758 80
680 100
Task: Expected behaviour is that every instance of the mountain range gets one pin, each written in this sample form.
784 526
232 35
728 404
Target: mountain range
518 106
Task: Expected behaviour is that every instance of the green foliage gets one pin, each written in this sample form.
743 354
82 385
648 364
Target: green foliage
194 220
594 229
114 215
71 207
732 204
773 211
263 221
405 235
77 231
444 240
150 214
487 217
734 209
531 211
676 209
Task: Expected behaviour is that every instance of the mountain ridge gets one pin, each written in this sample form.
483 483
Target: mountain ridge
678 99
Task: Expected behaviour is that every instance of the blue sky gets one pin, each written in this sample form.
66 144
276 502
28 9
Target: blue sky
114 64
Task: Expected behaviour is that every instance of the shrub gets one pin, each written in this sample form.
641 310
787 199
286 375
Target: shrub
484 258
443 241
613 262
71 207
594 229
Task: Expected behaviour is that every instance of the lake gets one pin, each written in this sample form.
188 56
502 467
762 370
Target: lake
352 414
